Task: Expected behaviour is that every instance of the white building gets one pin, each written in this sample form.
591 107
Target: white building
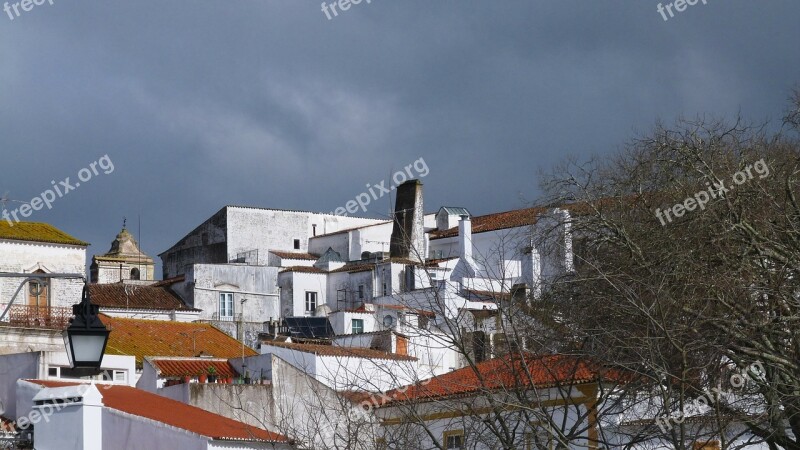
39 248
228 266
91 417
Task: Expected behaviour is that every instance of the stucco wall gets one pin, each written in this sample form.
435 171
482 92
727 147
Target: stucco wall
23 257
257 284
17 340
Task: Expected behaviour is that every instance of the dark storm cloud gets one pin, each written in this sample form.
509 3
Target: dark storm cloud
269 103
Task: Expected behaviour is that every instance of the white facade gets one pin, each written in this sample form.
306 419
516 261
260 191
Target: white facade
348 373
30 257
254 294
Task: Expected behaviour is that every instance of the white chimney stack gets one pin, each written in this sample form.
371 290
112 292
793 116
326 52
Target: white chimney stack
466 267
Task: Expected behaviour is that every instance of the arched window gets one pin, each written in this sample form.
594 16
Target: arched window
38 291
135 274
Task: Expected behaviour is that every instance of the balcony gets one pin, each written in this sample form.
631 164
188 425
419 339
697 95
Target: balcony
50 317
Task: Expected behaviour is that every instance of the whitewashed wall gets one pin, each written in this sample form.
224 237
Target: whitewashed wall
257 284
24 257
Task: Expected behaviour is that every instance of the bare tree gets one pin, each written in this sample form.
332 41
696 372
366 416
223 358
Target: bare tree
687 270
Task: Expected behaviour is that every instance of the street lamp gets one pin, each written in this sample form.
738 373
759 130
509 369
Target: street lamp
86 336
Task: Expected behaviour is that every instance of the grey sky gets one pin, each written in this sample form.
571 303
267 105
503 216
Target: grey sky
268 103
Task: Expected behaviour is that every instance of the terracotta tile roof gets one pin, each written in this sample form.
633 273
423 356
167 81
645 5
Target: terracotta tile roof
331 350
291 255
420 312
7 425
178 367
435 262
141 403
169 281
37 232
141 338
511 371
131 296
303 269
355 268
497 221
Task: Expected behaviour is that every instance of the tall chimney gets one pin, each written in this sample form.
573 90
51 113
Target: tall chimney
408 234
465 237
466 267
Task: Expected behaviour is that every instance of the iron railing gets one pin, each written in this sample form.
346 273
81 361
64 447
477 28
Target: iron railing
32 316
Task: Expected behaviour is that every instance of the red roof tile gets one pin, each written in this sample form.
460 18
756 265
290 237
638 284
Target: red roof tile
505 372
141 403
332 350
7 425
420 312
178 367
497 221
141 338
130 296
292 255
169 281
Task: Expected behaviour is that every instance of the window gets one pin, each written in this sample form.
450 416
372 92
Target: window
38 291
120 376
226 305
52 372
297 244
454 439
311 301
385 290
358 326
361 292
423 322
135 274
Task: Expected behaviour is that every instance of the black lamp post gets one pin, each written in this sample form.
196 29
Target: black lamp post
86 336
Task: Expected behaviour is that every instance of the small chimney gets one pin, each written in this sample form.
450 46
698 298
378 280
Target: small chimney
408 236
465 238
466 267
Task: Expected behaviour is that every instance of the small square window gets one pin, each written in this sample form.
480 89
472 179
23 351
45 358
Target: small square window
226 305
52 372
297 244
358 326
454 440
361 292
311 301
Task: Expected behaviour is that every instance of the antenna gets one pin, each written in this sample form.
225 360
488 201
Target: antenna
4 199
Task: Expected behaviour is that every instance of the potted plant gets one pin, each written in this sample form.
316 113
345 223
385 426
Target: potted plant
187 378
247 377
212 374
230 380
202 377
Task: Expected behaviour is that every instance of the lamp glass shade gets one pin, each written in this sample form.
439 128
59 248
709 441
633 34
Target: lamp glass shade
85 348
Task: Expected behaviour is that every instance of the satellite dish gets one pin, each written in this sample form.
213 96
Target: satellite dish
388 321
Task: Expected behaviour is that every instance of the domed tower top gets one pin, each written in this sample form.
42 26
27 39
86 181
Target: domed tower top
124 261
